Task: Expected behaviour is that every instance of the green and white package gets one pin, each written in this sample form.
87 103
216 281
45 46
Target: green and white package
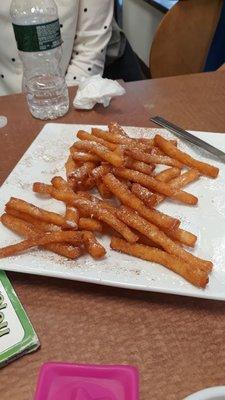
17 335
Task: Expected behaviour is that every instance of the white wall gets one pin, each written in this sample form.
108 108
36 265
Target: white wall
140 21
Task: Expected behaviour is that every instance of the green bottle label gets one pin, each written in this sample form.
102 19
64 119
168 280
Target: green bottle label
32 38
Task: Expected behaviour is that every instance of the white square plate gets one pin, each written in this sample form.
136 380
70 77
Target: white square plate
46 157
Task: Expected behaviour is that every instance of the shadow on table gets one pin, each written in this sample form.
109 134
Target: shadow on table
21 282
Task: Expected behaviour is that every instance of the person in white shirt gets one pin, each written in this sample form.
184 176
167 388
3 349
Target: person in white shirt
87 26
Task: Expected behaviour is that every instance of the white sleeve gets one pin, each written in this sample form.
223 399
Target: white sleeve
94 29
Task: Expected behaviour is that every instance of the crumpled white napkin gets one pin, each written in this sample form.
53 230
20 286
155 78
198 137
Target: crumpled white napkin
94 90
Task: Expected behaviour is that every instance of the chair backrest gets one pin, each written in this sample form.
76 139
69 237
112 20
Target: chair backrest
183 38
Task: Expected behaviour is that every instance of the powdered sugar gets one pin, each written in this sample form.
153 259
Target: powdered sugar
207 220
71 224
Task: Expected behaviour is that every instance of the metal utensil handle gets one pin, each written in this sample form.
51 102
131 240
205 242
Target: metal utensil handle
188 136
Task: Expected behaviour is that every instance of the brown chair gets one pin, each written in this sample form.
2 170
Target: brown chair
183 38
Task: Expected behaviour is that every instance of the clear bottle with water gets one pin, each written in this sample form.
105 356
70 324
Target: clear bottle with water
37 32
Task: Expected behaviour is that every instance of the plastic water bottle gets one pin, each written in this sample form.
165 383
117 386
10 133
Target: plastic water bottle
37 32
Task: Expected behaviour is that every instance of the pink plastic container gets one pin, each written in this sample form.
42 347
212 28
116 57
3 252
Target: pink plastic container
59 381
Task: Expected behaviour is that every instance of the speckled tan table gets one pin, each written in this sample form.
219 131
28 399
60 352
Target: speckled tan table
177 343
